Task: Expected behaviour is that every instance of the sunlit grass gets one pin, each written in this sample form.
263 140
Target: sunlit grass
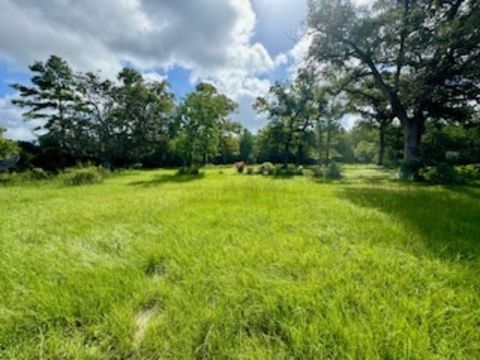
149 265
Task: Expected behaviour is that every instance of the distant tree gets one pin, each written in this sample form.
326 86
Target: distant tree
285 111
229 148
422 55
443 139
201 121
268 145
344 146
9 152
7 147
293 111
247 144
312 104
328 125
97 97
365 99
141 117
53 99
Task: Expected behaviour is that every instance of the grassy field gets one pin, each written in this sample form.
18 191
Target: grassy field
148 265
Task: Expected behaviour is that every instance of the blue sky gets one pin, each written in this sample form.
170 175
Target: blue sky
242 46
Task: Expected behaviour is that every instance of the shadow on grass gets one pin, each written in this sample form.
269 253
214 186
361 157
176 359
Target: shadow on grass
448 223
471 191
165 179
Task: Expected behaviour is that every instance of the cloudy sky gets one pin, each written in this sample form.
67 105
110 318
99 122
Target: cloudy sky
242 46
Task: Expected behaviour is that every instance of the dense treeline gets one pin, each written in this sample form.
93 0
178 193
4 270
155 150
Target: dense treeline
123 123
134 122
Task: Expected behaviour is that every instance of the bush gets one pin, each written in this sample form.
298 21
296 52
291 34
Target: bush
266 168
250 170
333 171
136 166
443 174
240 166
37 174
189 170
290 170
279 170
470 172
318 171
85 176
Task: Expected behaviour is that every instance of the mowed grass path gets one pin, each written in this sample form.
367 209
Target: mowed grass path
226 266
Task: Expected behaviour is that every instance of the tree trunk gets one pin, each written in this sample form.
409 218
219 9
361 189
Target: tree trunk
327 147
286 156
299 153
320 147
381 153
412 129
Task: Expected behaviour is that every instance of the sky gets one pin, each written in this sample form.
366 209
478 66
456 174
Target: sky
241 46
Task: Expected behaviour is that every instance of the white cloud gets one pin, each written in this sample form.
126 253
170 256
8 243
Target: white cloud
153 77
11 119
204 35
211 38
348 121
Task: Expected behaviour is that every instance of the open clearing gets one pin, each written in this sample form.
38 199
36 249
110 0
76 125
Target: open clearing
149 265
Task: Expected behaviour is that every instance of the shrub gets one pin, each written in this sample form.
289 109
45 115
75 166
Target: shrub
442 174
85 176
37 174
240 166
333 171
290 170
250 170
279 170
470 172
318 171
266 168
136 166
189 170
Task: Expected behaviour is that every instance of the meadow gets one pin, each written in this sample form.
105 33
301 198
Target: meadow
150 265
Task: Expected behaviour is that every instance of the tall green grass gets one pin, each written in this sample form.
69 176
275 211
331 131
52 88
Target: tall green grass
151 265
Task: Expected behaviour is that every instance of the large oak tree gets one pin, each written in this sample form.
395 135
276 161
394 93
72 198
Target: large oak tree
423 55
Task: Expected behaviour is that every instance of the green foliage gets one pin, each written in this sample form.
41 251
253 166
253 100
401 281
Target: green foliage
52 98
250 170
365 152
36 174
292 110
441 140
136 166
443 174
406 79
267 168
189 170
30 176
290 170
7 147
87 117
247 142
85 176
318 172
410 170
201 122
333 171
469 172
